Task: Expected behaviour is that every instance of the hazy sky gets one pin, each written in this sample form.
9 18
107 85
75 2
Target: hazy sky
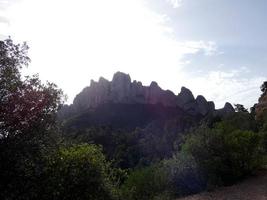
217 48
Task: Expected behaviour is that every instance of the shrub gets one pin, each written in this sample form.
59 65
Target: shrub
145 184
78 172
224 154
170 178
184 175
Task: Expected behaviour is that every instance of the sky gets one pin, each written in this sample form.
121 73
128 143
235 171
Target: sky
216 48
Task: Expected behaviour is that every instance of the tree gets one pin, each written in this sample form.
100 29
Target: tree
33 163
261 107
27 124
145 183
24 103
264 87
240 108
78 172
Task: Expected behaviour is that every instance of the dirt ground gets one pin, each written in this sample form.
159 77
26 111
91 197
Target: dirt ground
254 188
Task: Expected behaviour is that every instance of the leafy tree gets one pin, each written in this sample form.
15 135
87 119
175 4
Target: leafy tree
78 172
239 120
145 183
27 124
24 103
119 146
23 161
263 131
240 108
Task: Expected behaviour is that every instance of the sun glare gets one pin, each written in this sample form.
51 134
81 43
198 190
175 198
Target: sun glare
82 40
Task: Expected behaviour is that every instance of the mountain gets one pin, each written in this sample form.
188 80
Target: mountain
125 100
135 124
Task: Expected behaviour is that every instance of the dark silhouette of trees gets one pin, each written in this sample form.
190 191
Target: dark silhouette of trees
240 108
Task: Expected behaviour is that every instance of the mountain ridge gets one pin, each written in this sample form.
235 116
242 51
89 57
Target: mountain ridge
121 90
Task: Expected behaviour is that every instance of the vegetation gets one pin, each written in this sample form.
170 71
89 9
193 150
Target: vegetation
78 172
145 183
41 160
225 155
35 164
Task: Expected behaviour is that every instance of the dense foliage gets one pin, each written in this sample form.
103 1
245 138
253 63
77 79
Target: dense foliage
34 163
24 103
145 183
78 172
210 156
223 154
27 124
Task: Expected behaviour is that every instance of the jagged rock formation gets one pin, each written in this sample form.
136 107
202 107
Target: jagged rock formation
227 109
121 90
203 106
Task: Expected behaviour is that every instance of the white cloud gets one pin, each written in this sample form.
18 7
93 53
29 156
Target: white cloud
175 3
74 41
208 47
222 86
3 4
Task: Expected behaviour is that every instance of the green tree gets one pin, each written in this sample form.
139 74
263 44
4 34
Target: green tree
78 172
27 124
225 154
145 184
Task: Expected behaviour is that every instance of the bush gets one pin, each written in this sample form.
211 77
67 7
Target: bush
184 175
78 172
145 184
23 160
224 154
170 178
264 133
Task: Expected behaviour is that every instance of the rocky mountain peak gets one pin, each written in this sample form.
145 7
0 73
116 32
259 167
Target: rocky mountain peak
154 84
228 108
122 91
121 78
102 80
92 83
202 104
185 97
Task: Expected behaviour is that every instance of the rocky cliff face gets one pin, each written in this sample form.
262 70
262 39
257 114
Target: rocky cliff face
123 91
